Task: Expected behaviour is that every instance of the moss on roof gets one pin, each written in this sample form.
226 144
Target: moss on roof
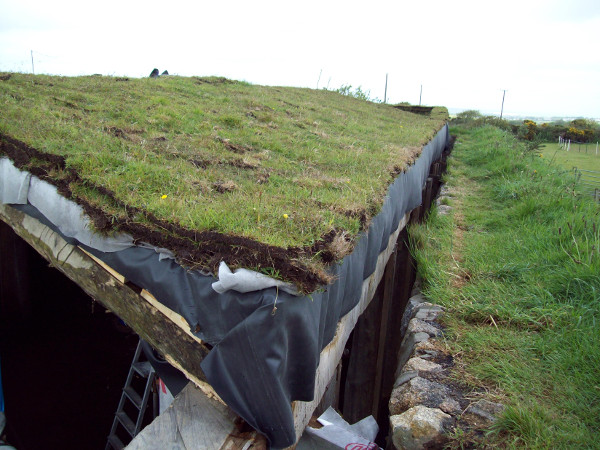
202 161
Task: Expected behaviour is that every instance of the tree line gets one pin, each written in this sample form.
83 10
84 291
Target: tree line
578 130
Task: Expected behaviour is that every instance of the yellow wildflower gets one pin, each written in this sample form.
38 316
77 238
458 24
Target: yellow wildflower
164 196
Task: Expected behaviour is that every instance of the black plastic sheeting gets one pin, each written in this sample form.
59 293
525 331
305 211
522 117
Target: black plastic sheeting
263 357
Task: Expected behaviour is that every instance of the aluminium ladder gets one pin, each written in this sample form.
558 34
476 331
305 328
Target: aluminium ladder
139 401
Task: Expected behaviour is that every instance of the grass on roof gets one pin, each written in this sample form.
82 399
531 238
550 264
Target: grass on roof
277 165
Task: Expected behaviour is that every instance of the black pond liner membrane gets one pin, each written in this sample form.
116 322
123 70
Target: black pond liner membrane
261 362
64 358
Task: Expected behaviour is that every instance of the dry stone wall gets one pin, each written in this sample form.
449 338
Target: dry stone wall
426 405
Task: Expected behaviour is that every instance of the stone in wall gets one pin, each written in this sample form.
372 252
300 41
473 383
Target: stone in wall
420 391
418 427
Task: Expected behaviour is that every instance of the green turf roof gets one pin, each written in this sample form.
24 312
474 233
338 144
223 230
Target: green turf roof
277 165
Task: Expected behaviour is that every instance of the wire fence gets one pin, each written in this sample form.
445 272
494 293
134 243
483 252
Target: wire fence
589 180
581 147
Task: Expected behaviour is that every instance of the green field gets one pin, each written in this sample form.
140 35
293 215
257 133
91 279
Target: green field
516 264
587 164
576 157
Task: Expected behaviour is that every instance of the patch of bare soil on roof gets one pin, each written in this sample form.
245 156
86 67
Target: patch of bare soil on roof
126 133
200 163
238 163
225 186
212 80
235 148
195 249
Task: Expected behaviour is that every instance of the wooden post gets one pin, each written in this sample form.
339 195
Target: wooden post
436 175
360 377
427 197
389 291
385 92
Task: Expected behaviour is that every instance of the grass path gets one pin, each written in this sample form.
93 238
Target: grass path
516 264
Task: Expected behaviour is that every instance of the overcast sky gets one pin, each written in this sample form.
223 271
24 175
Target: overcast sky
464 53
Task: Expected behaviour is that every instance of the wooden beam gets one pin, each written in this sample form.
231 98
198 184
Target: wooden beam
166 335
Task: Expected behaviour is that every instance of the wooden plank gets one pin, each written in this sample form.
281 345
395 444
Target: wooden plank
105 266
166 336
331 355
195 421
332 393
176 318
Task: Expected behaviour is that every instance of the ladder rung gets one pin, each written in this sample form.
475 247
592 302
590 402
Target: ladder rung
135 398
126 422
144 368
115 442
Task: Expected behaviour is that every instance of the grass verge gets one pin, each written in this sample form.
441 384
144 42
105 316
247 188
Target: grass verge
517 265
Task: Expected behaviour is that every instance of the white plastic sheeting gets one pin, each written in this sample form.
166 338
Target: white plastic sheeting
337 433
244 280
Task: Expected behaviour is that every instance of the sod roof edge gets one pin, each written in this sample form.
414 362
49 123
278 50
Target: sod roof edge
302 265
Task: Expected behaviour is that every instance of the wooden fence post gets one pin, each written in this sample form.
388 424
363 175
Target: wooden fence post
359 385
